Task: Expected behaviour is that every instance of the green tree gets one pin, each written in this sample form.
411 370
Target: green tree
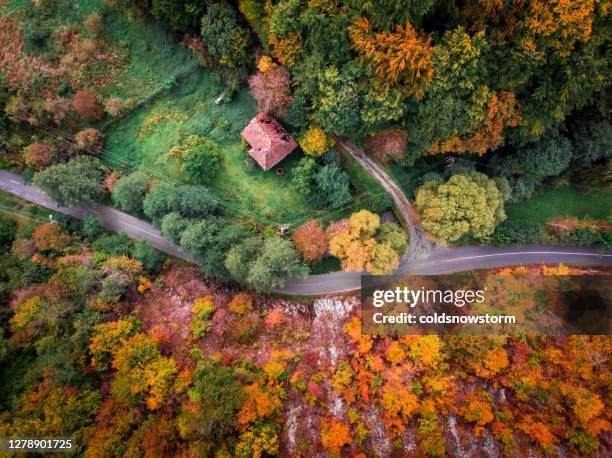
189 201
201 158
92 227
527 168
209 241
173 225
129 193
79 181
214 400
8 230
240 257
277 261
193 201
159 201
113 244
592 141
264 265
322 185
146 253
467 204
179 15
227 40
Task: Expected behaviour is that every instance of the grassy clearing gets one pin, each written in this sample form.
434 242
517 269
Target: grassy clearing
180 97
565 201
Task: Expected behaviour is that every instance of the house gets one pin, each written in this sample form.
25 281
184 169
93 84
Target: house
270 142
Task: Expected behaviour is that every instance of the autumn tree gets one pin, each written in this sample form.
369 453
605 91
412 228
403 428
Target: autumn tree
143 374
39 155
271 89
310 240
467 204
401 56
358 248
89 140
388 144
315 142
50 237
335 435
76 182
85 103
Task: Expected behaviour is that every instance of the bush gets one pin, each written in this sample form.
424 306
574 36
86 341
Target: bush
8 230
146 253
91 227
517 233
113 244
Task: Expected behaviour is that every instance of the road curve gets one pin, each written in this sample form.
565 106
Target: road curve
441 260
420 246
111 218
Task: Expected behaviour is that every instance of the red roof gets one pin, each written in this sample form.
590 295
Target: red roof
270 142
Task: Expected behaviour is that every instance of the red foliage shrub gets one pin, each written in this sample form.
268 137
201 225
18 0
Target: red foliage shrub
90 140
39 155
84 102
387 144
271 90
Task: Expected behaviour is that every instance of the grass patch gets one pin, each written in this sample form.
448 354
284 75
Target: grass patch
27 215
565 201
375 197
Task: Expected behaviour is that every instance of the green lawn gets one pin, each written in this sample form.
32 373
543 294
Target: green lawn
179 98
565 201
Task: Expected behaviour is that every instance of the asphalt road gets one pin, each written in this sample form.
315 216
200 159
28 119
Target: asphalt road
440 260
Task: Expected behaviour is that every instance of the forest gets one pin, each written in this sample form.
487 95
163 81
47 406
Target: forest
492 116
131 354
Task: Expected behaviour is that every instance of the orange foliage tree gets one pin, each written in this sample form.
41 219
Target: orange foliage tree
401 56
335 435
39 155
50 237
502 112
310 240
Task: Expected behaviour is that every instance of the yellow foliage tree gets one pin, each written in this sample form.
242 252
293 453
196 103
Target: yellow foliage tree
354 244
315 142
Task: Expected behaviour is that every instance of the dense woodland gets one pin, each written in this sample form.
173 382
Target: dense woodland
132 355
104 339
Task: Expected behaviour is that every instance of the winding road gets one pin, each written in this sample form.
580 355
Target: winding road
440 260
420 246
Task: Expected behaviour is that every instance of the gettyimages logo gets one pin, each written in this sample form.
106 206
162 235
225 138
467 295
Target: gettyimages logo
481 304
